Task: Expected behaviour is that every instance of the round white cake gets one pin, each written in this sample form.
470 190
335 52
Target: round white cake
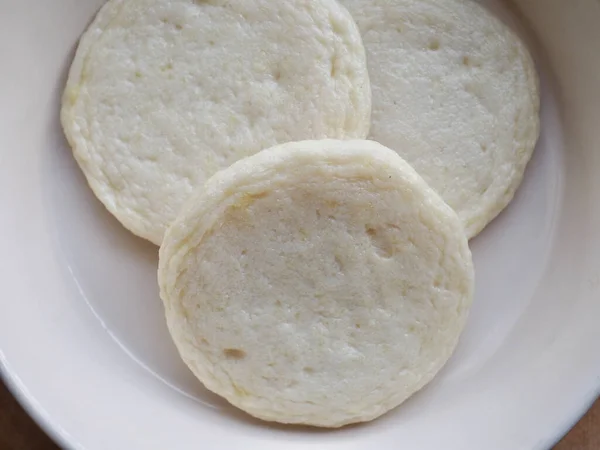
163 93
317 282
455 93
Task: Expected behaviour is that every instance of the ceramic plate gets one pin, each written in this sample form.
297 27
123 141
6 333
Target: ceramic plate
84 346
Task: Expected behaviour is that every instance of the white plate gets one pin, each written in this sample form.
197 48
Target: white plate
82 339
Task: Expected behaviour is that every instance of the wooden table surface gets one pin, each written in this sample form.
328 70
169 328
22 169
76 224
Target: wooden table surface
19 432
